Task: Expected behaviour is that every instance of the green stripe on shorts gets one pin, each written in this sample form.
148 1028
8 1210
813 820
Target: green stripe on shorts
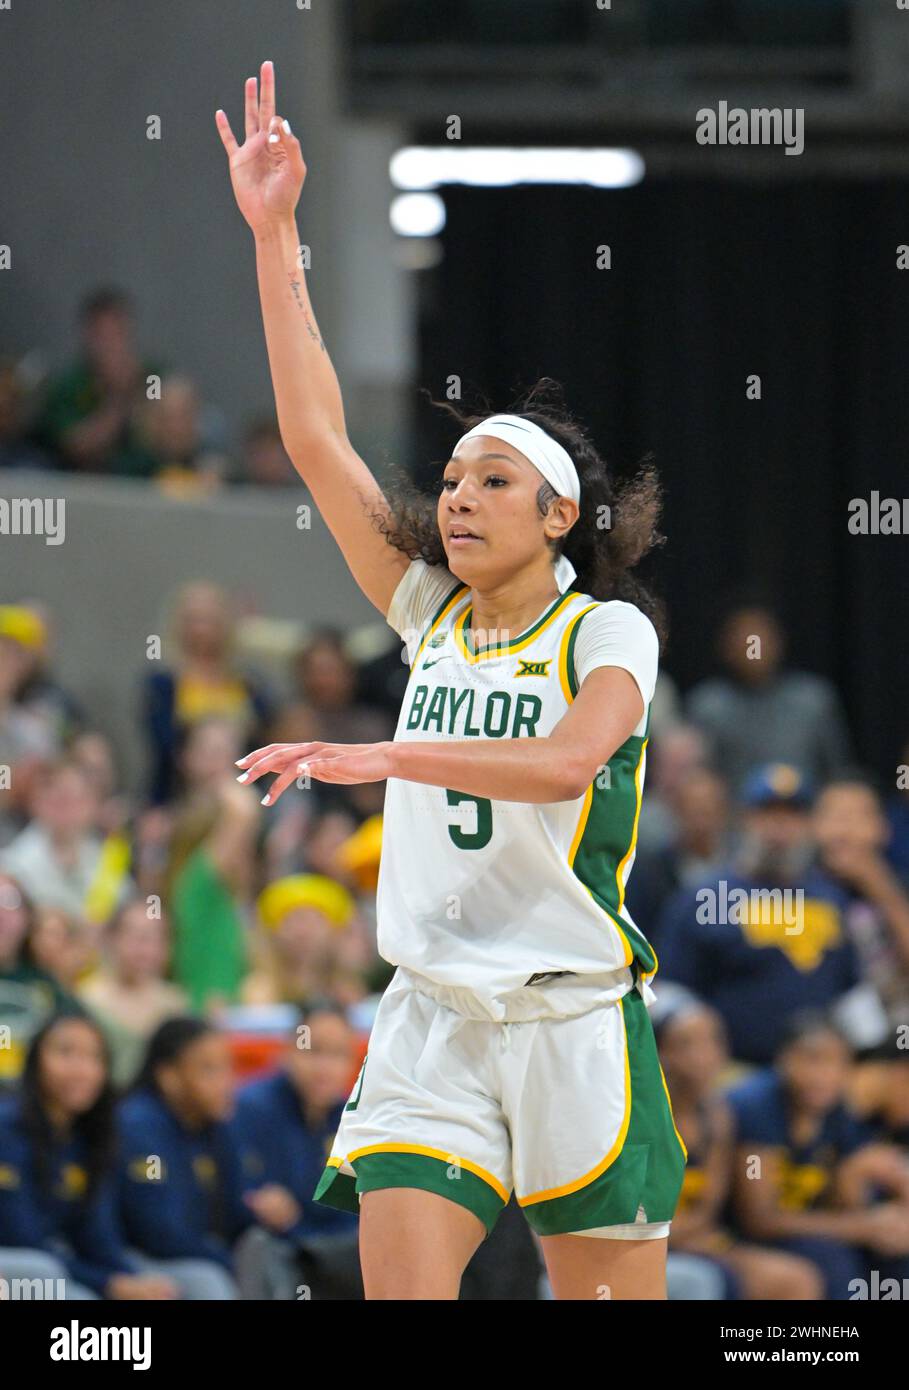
649 1169
376 1171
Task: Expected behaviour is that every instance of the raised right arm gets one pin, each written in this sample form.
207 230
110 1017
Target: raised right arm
267 174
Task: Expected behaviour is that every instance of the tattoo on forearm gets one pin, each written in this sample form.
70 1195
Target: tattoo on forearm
310 326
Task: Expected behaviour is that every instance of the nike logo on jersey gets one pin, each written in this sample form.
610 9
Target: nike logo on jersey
534 668
426 664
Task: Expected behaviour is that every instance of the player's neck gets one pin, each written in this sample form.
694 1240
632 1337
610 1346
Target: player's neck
511 608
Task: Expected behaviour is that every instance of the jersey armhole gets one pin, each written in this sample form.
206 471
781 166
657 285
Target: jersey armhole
571 674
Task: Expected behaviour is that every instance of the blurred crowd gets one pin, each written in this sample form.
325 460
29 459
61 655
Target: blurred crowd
187 981
114 412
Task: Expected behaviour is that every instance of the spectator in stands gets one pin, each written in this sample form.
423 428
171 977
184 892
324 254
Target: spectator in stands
204 680
264 460
181 1182
285 1124
898 817
671 760
766 936
879 1089
92 751
692 1045
699 848
308 945
28 994
64 947
57 1155
326 709
211 867
325 681
91 414
185 462
758 711
851 832
320 847
38 692
16 450
59 858
808 1173
129 995
26 743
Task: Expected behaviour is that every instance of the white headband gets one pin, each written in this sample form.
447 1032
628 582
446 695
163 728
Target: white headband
547 456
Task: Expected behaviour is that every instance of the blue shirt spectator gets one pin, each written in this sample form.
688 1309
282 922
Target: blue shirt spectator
181 1189
759 970
280 1146
57 1215
761 1111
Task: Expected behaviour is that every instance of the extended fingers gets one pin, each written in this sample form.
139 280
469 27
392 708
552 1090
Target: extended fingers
280 785
266 94
273 762
228 139
266 749
273 758
252 107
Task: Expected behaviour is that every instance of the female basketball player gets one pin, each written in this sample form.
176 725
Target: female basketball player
513 1049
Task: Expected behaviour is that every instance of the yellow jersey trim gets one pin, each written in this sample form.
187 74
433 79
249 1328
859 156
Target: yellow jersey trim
441 1154
455 599
620 882
567 1188
518 644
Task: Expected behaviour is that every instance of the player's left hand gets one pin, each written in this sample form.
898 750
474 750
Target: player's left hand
326 762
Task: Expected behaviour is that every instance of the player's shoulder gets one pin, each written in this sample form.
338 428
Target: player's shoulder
422 594
613 614
613 632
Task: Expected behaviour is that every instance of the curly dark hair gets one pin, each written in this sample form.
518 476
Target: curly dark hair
617 527
95 1127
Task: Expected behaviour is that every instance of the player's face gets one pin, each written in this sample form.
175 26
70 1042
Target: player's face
489 520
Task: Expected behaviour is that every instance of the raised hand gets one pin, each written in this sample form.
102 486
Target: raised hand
267 171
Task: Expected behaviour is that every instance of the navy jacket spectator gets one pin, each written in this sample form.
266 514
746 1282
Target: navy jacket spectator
278 1146
82 1232
180 1191
756 973
898 849
163 727
760 1112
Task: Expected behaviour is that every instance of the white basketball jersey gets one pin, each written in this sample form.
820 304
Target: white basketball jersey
494 896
